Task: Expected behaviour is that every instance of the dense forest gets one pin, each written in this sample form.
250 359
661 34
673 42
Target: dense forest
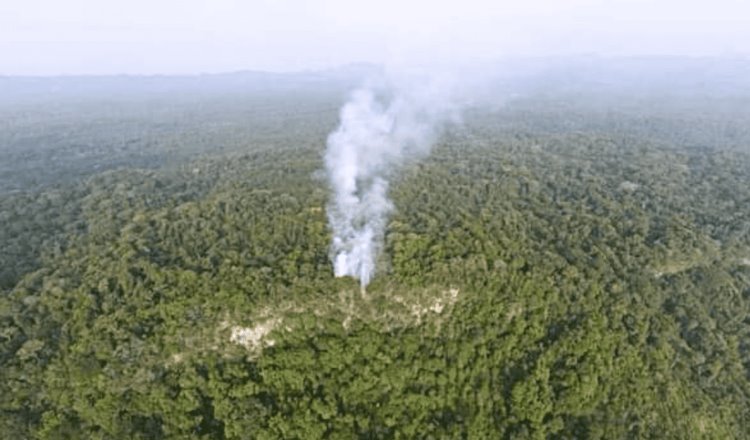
565 265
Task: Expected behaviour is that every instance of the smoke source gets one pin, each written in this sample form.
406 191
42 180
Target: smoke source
380 129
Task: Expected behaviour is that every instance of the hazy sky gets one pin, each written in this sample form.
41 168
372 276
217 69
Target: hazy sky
44 37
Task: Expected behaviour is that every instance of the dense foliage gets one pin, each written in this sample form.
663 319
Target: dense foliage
551 271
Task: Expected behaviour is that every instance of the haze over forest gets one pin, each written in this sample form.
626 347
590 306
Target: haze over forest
329 219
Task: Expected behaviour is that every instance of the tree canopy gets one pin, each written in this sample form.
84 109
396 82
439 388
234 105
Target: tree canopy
550 271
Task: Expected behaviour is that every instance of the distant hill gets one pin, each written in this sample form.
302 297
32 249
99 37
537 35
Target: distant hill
589 74
36 88
649 75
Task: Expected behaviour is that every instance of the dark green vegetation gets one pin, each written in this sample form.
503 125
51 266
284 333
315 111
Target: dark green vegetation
558 268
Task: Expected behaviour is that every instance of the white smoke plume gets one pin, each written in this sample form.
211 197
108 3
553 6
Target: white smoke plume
380 129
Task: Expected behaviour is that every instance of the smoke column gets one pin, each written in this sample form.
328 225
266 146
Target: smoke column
375 136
